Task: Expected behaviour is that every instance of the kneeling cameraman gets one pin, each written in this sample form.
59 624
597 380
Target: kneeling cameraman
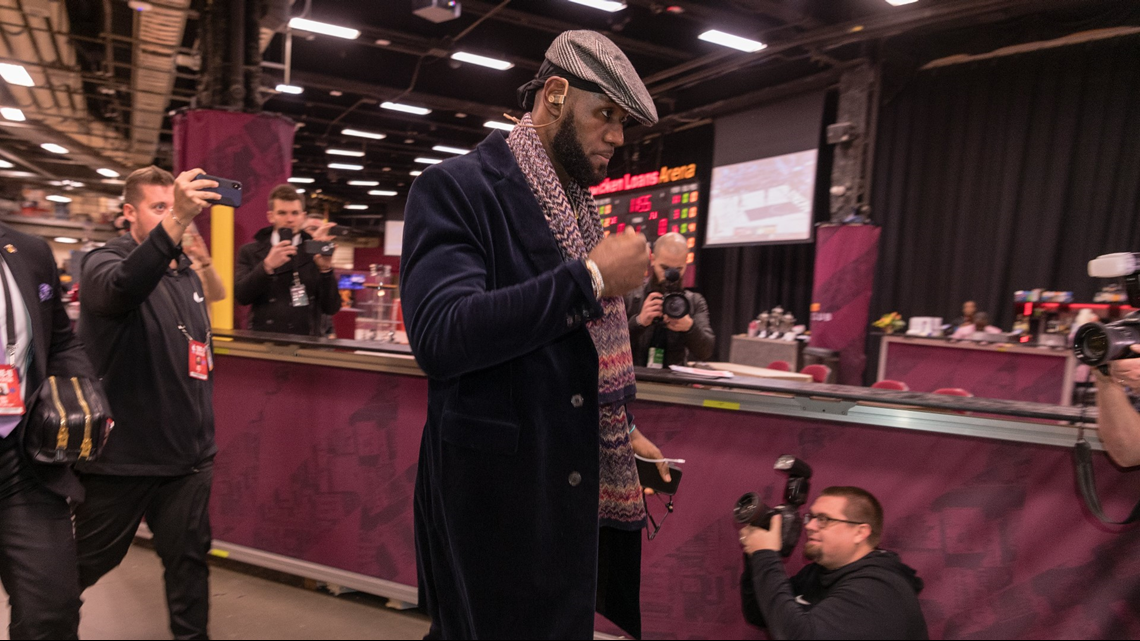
851 590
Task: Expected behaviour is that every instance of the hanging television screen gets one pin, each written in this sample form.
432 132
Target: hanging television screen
762 201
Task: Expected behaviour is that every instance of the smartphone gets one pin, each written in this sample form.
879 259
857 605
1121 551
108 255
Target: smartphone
340 231
230 190
319 247
651 478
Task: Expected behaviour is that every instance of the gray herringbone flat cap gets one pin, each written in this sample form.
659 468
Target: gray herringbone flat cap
594 58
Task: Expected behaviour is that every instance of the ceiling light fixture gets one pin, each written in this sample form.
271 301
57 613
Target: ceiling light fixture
54 148
107 173
428 161
65 240
4 164
363 134
899 3
415 173
290 89
13 114
324 28
604 5
494 124
337 165
59 199
356 207
363 183
302 181
451 150
482 61
15 75
728 40
344 152
381 192
408 109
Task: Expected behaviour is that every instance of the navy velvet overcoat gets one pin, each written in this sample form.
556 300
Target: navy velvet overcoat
506 499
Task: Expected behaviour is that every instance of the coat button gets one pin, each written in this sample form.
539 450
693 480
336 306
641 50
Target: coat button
576 400
575 479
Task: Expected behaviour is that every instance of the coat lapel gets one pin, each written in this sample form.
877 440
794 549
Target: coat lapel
29 289
520 205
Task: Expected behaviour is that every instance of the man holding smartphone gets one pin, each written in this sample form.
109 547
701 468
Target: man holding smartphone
144 323
288 288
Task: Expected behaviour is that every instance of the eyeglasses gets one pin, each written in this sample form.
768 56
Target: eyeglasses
825 520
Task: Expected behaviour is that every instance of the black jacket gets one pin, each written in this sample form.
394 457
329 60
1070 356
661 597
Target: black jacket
497 320
680 347
55 349
269 294
875 597
164 419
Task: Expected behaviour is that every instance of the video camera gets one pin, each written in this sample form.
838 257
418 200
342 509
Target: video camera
750 510
1095 344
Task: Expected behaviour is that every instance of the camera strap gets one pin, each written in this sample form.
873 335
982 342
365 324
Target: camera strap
1086 480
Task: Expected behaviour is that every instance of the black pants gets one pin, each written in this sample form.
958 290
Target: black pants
619 578
176 511
37 554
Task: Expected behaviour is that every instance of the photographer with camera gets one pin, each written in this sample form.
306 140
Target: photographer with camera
668 325
1118 426
286 279
851 590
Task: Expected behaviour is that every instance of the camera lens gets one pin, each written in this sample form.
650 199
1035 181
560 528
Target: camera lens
1096 344
675 306
746 508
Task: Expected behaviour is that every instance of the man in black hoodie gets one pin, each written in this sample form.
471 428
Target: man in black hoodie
288 289
852 590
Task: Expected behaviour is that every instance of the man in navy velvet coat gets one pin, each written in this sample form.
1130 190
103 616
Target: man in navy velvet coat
506 502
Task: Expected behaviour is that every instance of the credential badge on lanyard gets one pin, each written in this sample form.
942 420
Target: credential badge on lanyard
297 292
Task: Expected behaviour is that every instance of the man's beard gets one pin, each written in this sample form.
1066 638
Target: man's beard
812 552
568 150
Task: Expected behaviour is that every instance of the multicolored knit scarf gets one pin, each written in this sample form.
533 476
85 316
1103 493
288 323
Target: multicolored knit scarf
577 228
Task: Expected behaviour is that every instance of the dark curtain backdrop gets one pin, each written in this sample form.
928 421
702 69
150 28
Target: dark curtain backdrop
1007 174
741 282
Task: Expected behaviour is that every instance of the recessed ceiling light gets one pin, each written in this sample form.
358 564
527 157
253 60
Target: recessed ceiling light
65 240
415 173
381 192
324 28
356 207
11 113
54 148
728 40
108 173
302 181
451 150
408 109
363 183
59 199
345 152
494 124
337 165
482 61
428 161
363 134
15 75
4 164
290 89
604 5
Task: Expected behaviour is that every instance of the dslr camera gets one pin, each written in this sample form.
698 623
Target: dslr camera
750 510
1095 344
675 305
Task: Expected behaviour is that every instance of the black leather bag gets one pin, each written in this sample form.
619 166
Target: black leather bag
69 421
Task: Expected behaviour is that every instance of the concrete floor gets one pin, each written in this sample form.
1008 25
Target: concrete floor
129 603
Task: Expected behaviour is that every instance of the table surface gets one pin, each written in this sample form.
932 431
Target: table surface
761 372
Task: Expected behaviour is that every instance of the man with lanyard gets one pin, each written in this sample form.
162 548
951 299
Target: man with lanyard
143 321
513 302
37 550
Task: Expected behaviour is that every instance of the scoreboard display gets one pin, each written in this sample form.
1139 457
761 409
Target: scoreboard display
655 212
